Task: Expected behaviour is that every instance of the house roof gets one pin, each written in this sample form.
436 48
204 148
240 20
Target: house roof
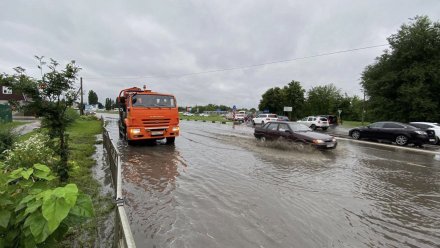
13 96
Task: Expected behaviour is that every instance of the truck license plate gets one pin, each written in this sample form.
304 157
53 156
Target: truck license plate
156 132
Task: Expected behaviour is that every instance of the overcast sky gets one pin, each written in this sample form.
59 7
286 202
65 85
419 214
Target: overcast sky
121 44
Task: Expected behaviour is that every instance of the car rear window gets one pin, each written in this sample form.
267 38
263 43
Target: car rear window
323 119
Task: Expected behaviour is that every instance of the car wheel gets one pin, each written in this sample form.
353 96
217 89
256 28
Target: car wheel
324 128
401 140
356 134
313 127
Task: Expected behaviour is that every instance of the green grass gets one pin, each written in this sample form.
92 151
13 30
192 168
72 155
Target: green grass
350 124
201 118
82 146
13 124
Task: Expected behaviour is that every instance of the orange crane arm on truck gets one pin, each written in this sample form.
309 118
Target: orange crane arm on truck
147 115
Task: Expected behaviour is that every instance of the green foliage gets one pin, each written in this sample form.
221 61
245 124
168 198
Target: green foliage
108 104
34 213
7 139
35 149
291 95
93 97
403 84
52 96
325 99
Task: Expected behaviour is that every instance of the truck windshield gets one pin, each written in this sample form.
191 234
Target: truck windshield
153 101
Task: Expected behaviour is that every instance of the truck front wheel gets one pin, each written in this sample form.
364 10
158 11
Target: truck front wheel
170 140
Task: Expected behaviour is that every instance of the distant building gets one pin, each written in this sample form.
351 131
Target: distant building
6 95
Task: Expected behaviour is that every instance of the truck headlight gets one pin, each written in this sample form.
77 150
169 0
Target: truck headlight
175 129
135 131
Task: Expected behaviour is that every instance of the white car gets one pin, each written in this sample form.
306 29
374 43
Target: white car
264 118
204 115
188 114
315 122
429 126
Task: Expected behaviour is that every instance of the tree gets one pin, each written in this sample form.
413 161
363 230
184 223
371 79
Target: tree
108 104
50 97
93 97
403 84
293 96
324 99
272 100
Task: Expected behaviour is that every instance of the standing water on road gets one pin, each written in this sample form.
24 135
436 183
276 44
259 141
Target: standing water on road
219 187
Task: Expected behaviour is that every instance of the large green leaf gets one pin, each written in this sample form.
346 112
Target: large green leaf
68 192
54 211
83 207
32 206
5 215
42 167
27 173
39 227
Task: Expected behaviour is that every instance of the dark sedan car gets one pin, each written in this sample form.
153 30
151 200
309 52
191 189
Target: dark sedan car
400 133
294 131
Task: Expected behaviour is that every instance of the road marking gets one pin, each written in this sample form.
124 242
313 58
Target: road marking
391 146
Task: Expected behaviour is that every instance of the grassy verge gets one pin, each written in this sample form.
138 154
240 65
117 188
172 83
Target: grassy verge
14 124
201 118
82 146
350 124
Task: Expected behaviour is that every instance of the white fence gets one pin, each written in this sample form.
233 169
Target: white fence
123 236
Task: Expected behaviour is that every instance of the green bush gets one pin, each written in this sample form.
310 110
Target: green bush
88 117
33 213
71 115
7 139
25 154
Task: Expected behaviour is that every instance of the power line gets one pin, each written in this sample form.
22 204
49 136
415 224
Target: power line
244 67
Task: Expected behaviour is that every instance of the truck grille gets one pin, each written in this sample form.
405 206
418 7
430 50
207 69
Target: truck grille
155 122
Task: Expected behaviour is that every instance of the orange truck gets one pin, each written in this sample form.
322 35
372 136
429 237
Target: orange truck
147 115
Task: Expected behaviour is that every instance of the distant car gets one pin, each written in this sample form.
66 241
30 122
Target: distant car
283 118
264 118
332 119
188 114
204 115
239 117
400 133
427 127
293 131
315 122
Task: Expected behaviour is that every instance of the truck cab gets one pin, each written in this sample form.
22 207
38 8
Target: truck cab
147 115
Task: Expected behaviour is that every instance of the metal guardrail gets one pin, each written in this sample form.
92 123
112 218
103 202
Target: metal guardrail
123 235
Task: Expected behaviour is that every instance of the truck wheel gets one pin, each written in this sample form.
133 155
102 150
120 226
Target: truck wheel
313 127
171 140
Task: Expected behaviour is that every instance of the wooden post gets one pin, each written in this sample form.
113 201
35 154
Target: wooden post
81 107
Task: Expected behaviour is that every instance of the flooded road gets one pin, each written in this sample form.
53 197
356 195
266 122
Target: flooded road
219 187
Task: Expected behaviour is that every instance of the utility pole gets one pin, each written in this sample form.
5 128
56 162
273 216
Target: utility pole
81 107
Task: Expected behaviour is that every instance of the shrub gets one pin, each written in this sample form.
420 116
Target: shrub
34 213
88 117
71 115
25 154
7 138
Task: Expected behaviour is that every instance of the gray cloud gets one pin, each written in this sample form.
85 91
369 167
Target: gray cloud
117 43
